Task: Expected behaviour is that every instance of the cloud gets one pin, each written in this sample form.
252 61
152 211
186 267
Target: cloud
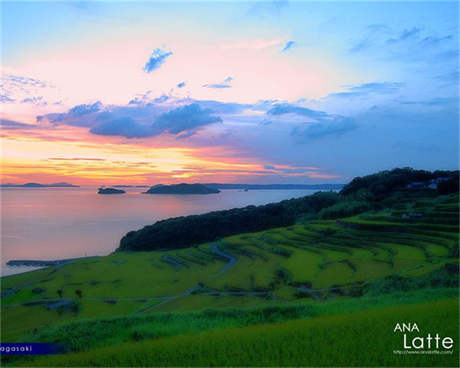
181 85
80 110
408 43
286 108
5 98
123 126
224 84
446 56
257 44
361 46
36 100
405 35
433 40
449 78
223 107
217 85
26 81
157 59
73 116
362 90
444 102
339 126
288 46
184 118
75 159
14 125
141 120
144 117
378 27
20 89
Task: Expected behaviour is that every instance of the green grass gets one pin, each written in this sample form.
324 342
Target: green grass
364 338
360 254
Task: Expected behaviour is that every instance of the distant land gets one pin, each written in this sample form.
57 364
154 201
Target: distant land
38 185
130 186
182 189
110 191
275 186
224 186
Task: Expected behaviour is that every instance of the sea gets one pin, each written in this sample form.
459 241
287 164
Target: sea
59 223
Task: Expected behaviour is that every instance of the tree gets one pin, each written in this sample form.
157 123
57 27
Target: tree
60 293
79 293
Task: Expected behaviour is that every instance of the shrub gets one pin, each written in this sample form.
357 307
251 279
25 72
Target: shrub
344 209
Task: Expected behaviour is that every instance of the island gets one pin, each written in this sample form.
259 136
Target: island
38 185
182 188
110 191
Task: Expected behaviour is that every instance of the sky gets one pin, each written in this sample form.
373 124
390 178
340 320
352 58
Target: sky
105 93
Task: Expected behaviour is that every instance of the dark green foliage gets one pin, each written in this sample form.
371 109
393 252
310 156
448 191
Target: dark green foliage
87 334
372 192
344 209
444 277
71 307
282 275
181 232
281 251
385 182
449 186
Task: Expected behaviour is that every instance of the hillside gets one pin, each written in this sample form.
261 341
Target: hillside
286 287
372 192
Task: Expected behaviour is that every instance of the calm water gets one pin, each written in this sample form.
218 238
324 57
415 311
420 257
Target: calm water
54 223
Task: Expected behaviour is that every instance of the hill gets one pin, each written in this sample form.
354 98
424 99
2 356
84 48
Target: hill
182 189
373 192
328 280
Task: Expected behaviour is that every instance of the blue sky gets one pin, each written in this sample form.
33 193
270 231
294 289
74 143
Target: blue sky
315 91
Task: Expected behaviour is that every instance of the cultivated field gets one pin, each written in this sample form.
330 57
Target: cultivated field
310 270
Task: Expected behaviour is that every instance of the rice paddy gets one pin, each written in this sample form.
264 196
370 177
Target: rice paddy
312 261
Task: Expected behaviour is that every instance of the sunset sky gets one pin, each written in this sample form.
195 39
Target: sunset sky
264 92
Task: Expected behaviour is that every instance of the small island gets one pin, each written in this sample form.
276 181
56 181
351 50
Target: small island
110 191
182 188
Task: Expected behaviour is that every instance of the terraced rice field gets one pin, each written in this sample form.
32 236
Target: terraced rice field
317 259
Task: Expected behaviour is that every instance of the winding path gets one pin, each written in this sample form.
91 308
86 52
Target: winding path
231 259
214 249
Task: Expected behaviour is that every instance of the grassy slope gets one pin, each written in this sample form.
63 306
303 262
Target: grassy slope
344 339
316 254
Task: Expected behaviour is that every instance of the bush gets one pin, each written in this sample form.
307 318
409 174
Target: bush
181 232
344 209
